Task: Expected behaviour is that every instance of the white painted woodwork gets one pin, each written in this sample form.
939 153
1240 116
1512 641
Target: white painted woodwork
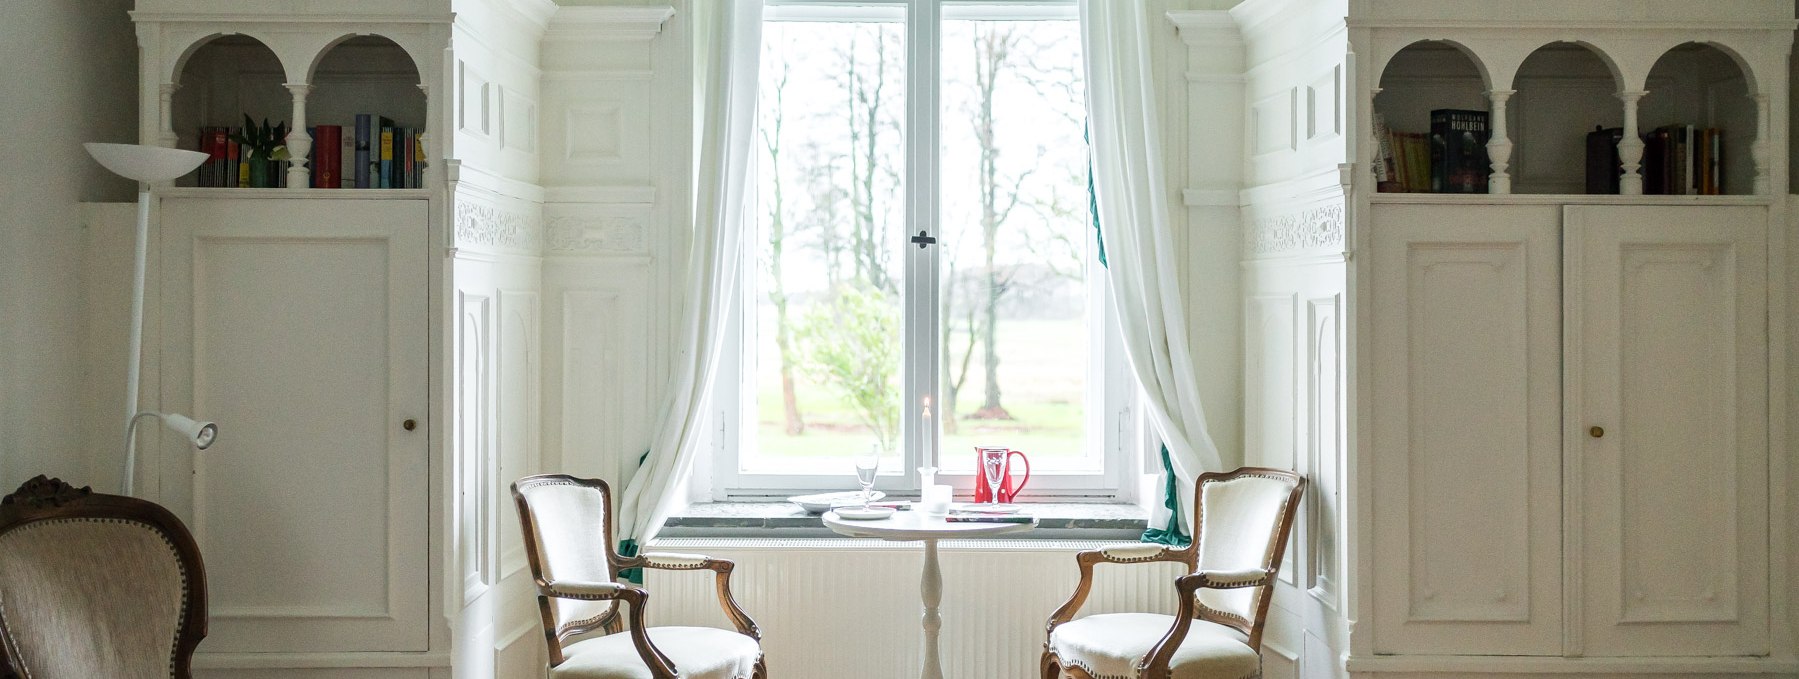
301 328
1466 381
1667 352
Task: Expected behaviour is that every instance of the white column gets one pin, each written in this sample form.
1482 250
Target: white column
165 106
932 589
1499 147
1630 148
299 142
1762 150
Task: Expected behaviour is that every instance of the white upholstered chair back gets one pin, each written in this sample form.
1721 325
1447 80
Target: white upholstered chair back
571 530
1242 518
90 592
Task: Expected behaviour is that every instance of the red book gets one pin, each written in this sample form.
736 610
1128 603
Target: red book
221 139
327 156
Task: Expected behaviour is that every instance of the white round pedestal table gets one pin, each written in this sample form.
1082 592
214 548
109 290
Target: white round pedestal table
908 526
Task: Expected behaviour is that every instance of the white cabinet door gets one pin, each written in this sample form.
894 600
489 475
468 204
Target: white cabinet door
300 327
1467 418
1666 434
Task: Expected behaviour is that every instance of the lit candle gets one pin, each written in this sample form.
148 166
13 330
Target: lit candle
925 446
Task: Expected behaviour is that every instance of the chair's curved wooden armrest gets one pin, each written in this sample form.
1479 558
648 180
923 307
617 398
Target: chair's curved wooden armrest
677 561
1129 553
588 591
1247 577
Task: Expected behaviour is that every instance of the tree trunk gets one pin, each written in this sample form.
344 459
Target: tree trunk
990 56
777 293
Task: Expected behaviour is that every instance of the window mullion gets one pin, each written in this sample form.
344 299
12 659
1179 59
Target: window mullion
923 64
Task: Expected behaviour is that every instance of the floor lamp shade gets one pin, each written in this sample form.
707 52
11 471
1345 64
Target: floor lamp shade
145 163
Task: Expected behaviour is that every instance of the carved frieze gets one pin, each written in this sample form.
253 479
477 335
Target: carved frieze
484 225
599 235
1310 229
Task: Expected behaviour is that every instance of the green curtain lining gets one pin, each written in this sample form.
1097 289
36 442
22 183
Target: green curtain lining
1171 498
628 547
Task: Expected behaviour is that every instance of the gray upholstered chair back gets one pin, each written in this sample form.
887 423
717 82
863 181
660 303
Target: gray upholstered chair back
96 585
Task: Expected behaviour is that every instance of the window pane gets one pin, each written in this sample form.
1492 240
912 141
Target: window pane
826 333
1017 238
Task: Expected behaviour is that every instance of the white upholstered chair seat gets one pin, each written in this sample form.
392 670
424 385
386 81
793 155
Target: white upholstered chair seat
697 653
1109 645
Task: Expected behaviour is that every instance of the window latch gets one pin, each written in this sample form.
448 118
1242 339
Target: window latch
923 238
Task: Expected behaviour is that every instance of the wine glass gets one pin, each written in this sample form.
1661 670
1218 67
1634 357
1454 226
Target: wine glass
866 466
993 464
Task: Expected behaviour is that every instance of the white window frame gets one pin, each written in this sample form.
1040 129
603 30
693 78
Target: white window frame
1111 425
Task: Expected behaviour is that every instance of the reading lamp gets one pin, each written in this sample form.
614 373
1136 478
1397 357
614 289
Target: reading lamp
147 164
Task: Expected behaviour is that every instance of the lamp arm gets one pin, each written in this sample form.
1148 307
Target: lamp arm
125 482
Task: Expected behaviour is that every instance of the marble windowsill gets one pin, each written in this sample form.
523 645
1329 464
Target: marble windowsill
1055 521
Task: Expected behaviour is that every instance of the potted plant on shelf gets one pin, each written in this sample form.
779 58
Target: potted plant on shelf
262 147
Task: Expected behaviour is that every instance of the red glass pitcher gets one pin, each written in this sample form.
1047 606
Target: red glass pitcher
1009 486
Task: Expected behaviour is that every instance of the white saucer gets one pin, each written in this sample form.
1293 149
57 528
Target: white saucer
985 508
860 514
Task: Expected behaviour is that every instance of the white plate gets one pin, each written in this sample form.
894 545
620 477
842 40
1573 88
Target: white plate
860 514
824 502
985 508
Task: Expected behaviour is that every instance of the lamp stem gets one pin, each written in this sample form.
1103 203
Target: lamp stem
134 360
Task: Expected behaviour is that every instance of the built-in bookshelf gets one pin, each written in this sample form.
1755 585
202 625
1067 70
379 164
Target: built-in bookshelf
363 78
1694 117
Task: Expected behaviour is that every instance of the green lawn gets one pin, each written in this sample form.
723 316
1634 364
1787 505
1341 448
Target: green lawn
1042 376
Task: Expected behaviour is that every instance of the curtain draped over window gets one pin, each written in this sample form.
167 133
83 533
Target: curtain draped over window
1139 247
730 35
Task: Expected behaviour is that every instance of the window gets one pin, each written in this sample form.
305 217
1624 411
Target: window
923 255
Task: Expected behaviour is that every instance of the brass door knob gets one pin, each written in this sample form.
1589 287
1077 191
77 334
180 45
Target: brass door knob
1596 432
409 424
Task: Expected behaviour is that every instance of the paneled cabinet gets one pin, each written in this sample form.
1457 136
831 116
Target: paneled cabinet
1570 452
300 325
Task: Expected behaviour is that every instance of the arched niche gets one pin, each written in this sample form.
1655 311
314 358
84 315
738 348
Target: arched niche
1564 91
364 74
222 79
1705 87
1426 76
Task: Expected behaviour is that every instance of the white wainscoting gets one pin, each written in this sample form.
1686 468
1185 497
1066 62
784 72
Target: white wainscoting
836 608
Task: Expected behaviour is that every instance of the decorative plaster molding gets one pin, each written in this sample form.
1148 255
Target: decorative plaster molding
1318 227
599 235
484 225
612 23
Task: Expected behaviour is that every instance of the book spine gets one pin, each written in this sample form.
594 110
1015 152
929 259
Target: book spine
361 160
411 156
386 167
1718 160
1441 164
234 177
221 156
327 163
418 161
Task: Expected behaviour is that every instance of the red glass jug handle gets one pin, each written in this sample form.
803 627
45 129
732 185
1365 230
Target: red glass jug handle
1027 471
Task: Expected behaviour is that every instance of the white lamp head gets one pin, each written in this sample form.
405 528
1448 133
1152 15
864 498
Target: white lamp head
145 163
203 434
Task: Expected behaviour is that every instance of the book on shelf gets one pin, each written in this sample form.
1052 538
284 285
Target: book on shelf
1604 167
327 156
1683 160
1458 151
382 166
364 147
1383 152
418 165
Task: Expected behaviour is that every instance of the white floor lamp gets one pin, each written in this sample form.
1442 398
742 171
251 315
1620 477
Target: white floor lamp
147 164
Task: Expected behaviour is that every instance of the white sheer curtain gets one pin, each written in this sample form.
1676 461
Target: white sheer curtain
730 35
1139 247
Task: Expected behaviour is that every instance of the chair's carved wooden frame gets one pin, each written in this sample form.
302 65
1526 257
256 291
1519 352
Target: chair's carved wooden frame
1154 664
634 598
45 499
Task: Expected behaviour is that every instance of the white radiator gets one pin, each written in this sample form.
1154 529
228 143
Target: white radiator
849 609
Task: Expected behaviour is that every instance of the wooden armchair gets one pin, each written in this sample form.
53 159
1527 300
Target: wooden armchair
568 541
96 585
1241 523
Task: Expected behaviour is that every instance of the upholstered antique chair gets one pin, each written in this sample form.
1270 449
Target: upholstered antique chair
1241 523
96 585
568 542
